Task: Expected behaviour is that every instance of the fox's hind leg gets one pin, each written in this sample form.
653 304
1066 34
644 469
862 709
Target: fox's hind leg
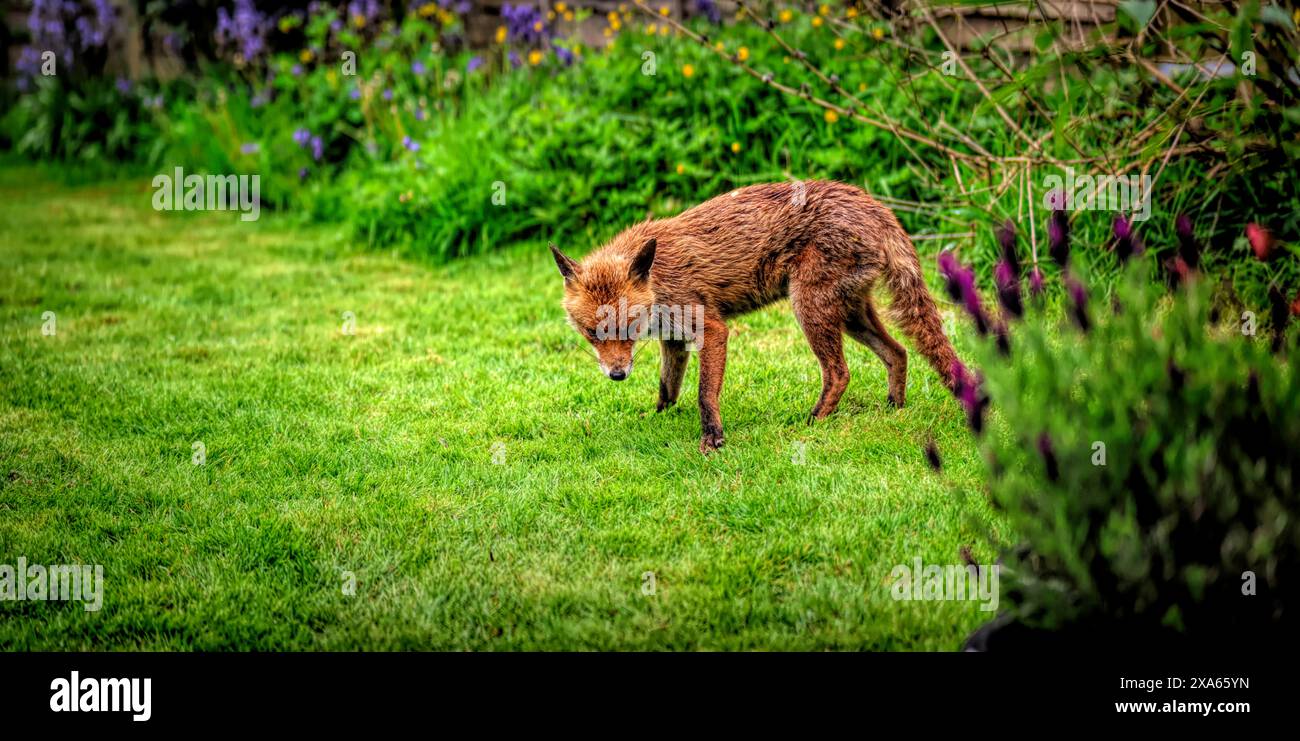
865 327
820 312
672 367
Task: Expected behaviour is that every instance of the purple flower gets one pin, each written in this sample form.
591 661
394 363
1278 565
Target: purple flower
474 63
1008 285
564 55
948 268
123 85
967 390
367 10
1058 238
1002 336
259 99
301 137
245 29
1007 240
1036 282
709 9
420 114
525 23
1078 302
417 67
355 93
410 144
317 148
388 94
1126 242
960 282
515 61
250 148
64 28
296 70
302 173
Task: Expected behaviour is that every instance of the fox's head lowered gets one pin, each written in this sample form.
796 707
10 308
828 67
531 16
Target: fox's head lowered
603 295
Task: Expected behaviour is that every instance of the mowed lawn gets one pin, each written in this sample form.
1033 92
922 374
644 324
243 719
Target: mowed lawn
459 455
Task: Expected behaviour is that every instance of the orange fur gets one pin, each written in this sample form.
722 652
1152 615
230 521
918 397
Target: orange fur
823 244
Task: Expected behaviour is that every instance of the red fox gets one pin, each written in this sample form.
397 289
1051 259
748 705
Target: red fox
823 244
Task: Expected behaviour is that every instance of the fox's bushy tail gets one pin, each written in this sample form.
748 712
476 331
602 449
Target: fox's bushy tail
913 308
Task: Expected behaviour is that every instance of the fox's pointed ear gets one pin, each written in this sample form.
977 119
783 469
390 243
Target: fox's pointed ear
568 268
643 261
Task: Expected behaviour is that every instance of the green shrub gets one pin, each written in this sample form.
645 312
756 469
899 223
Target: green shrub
1149 461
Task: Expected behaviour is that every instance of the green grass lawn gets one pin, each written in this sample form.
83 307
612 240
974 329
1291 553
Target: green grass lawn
373 453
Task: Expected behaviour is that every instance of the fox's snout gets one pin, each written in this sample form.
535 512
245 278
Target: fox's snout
615 361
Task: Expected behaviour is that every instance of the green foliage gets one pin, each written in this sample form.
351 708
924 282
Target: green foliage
90 125
1148 465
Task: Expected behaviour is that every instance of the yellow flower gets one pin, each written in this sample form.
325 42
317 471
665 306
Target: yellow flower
853 13
609 32
785 16
862 87
878 33
428 9
614 24
663 11
535 57
550 15
613 17
817 22
538 26
735 147
501 34
665 30
832 117
560 7
743 53
359 21
824 10
306 56
785 60
839 44
688 71
332 77
719 46
681 169
568 16
651 29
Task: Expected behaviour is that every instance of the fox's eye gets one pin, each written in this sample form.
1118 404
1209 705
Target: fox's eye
588 333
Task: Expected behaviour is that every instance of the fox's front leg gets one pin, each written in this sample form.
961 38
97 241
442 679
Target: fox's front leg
672 367
713 362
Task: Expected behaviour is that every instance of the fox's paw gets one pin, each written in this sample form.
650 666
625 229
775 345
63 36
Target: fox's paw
663 404
893 401
710 442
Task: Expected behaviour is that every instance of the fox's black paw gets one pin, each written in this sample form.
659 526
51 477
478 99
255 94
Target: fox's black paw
710 442
664 404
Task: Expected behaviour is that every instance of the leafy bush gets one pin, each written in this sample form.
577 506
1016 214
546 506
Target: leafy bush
1150 461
